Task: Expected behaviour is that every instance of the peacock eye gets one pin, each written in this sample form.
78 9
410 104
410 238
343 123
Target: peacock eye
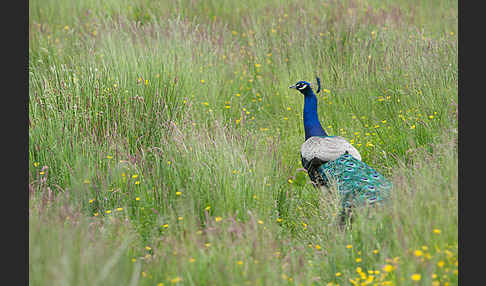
301 85
372 200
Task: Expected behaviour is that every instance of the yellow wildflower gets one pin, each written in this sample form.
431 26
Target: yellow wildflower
218 218
388 268
418 253
416 277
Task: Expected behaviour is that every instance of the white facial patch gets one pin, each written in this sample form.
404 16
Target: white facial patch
302 86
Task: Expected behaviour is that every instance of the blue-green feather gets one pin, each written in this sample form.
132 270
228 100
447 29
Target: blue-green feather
357 183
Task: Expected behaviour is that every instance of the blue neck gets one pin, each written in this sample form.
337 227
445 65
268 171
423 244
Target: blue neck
312 126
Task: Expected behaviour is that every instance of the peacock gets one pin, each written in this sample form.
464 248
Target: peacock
332 158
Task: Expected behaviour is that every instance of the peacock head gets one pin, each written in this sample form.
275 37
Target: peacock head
305 87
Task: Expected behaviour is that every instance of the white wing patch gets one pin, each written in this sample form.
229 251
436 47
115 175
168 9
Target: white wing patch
327 148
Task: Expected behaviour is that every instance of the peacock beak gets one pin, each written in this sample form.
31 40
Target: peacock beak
293 86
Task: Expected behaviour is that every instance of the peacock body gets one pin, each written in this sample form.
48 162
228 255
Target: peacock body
329 159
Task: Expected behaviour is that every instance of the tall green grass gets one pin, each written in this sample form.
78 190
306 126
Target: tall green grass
170 124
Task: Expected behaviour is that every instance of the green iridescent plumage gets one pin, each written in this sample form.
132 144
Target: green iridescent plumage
358 184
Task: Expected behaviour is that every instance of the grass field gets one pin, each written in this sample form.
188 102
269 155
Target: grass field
164 143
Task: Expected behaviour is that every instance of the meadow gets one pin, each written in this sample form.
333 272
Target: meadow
164 142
